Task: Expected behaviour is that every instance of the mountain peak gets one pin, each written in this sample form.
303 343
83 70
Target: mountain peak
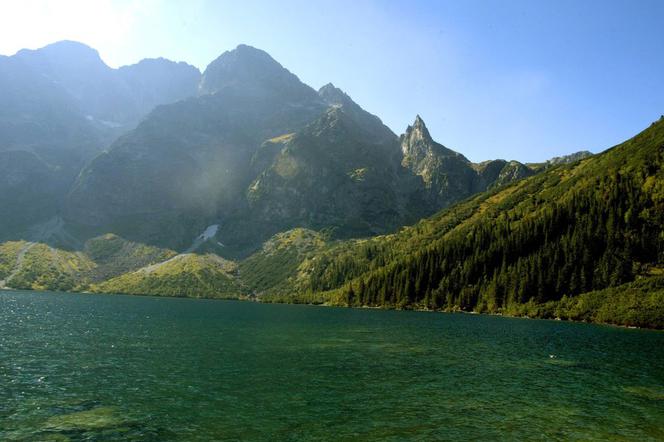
244 57
248 49
335 97
418 131
253 72
332 95
70 45
417 144
65 53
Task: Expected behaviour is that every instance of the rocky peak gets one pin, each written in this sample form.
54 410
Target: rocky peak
335 121
417 133
335 97
417 144
252 72
332 95
566 159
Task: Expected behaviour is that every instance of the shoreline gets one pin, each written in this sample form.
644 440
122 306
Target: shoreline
254 299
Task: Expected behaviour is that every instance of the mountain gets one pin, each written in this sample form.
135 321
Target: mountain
110 97
534 247
340 172
252 72
61 105
582 241
449 176
257 152
156 151
39 115
190 162
244 182
155 81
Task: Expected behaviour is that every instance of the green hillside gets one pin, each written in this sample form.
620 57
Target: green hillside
573 229
41 267
188 275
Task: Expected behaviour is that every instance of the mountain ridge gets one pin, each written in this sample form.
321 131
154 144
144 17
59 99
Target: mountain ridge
304 196
219 159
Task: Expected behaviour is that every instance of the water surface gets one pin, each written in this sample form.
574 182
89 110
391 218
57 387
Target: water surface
106 367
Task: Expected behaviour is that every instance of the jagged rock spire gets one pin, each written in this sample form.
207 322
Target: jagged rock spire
417 132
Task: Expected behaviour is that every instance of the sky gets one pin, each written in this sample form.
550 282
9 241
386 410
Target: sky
513 79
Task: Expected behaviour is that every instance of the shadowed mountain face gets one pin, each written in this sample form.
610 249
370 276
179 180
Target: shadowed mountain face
110 97
340 172
258 152
246 145
190 162
29 190
61 105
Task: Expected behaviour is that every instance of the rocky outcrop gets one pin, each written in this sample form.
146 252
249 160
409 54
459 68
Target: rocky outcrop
447 175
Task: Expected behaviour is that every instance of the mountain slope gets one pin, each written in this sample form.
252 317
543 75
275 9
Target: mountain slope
577 227
111 97
190 162
188 275
258 152
61 105
29 191
336 174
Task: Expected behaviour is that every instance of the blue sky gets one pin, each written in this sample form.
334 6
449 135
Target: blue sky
513 79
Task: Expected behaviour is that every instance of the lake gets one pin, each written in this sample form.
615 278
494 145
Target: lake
107 367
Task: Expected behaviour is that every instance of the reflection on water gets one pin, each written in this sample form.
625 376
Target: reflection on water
88 367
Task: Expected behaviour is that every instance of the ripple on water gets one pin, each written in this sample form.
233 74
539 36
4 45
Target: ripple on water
79 370
651 393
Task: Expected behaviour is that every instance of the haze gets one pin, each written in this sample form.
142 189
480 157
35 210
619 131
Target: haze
521 80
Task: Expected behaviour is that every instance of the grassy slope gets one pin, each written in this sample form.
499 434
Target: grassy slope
46 268
115 256
188 275
276 267
8 254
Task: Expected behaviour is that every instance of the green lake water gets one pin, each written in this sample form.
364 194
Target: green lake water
106 367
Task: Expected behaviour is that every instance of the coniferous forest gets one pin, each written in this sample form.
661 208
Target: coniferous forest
571 230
